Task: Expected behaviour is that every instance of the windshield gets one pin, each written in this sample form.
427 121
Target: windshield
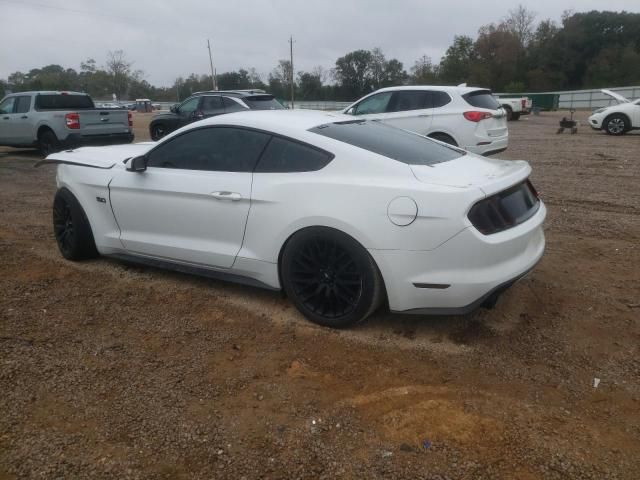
400 145
263 102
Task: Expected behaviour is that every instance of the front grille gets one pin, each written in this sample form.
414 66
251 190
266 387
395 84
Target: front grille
506 209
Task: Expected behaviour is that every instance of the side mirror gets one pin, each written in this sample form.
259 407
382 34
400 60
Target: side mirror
350 111
173 109
137 164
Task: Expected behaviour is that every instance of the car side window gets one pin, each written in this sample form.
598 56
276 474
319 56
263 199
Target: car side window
440 99
406 100
230 105
374 104
214 149
282 156
7 105
190 105
211 105
23 104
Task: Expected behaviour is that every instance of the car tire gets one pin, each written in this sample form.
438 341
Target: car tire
48 143
443 137
331 279
515 116
71 228
616 124
509 112
157 131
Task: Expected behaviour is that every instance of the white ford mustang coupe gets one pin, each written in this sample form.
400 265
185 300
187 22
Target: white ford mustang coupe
343 214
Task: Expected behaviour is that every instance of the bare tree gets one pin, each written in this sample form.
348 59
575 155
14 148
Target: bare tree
521 22
120 70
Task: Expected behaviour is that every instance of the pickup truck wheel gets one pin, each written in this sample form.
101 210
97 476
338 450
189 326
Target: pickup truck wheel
443 137
71 228
515 116
509 111
158 131
48 143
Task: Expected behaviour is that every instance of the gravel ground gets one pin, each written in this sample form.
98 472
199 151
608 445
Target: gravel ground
109 370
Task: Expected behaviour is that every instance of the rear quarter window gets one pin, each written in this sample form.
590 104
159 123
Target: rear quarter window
390 142
481 99
282 156
64 102
263 102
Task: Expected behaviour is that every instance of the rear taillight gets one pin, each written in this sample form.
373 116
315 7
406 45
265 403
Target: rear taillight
524 103
475 116
72 120
505 209
130 119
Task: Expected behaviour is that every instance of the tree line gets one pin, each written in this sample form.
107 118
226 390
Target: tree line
517 54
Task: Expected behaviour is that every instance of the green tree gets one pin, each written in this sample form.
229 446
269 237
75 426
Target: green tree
455 66
353 73
424 72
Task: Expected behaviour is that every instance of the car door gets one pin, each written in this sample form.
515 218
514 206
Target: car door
8 122
372 107
192 201
187 111
635 121
210 106
23 123
410 110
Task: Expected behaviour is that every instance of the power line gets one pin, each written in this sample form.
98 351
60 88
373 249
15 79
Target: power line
64 9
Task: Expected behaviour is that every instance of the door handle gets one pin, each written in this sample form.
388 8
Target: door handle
24 116
233 196
424 115
6 118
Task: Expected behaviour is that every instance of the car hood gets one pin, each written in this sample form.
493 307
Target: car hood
491 175
615 96
98 157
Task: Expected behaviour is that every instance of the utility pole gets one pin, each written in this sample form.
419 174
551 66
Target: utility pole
213 75
291 79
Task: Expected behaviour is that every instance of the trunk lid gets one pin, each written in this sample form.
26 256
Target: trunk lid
98 157
491 175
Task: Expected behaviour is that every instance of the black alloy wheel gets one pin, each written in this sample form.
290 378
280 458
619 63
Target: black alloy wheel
71 228
331 279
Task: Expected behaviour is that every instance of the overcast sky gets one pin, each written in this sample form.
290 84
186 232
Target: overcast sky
167 39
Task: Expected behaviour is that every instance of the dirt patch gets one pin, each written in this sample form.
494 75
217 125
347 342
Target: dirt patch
109 370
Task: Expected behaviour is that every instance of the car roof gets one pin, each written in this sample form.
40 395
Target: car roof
239 93
285 122
48 92
444 88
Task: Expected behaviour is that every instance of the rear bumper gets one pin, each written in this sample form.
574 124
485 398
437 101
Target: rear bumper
491 145
461 274
76 140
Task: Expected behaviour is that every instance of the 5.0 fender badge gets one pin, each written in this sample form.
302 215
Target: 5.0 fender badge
101 199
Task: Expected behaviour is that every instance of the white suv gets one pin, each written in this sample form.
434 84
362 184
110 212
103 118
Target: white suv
466 117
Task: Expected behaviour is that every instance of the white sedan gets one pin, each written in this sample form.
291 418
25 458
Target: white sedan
617 119
343 214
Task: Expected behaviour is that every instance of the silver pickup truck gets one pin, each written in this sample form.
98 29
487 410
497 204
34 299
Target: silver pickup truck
53 121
